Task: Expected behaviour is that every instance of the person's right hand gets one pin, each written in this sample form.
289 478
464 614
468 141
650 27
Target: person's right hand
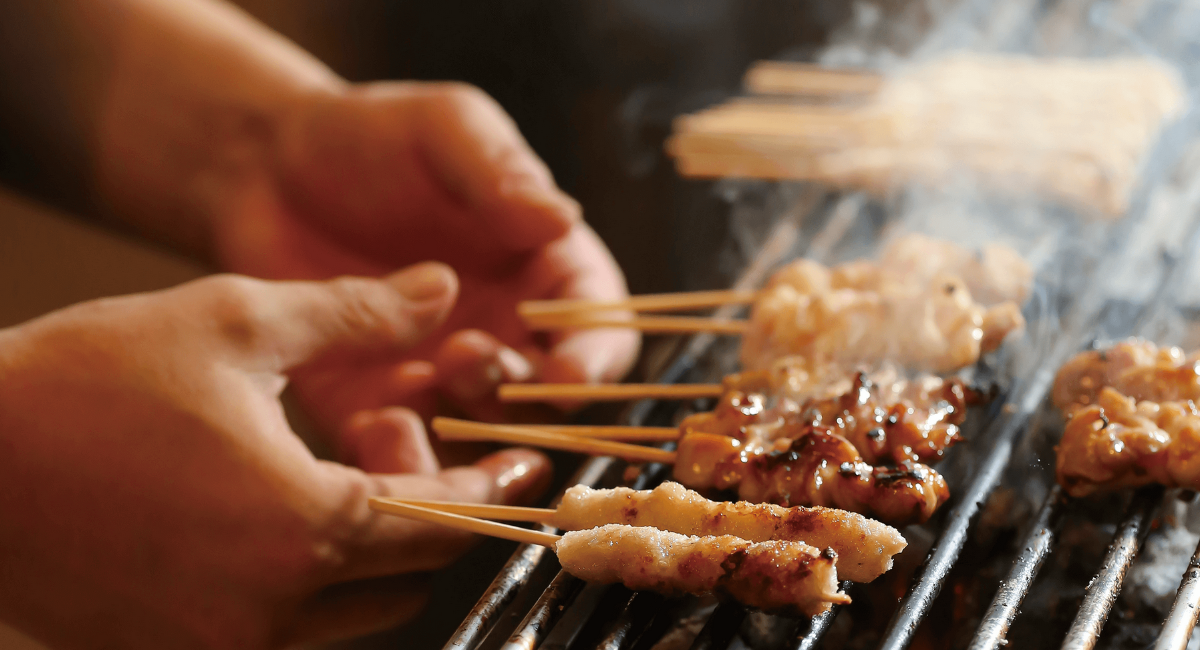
153 495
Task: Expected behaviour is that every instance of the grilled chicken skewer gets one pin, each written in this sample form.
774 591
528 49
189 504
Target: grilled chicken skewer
775 576
1132 418
804 466
865 547
925 304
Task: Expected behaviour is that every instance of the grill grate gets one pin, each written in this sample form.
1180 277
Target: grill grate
823 221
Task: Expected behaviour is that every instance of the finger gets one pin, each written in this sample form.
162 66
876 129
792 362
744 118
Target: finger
471 365
477 152
388 441
585 269
377 544
353 609
286 324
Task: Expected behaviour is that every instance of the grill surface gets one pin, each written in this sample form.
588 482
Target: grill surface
819 224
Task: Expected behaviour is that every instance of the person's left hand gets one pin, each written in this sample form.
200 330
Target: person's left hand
382 176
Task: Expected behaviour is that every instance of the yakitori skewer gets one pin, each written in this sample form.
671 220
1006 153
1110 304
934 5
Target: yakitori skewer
865 547
1009 124
776 576
1132 418
802 466
925 304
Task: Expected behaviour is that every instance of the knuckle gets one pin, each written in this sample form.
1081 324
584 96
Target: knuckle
366 307
235 304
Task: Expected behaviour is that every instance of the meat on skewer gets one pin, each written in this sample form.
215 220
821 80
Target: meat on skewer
1136 368
804 466
926 304
864 547
779 577
1119 442
888 419
775 576
1132 418
808 466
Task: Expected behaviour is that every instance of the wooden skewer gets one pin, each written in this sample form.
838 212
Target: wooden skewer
605 392
654 324
452 429
647 303
628 434
483 510
480 526
779 77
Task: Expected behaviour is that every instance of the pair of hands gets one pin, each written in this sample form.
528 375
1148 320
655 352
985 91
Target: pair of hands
154 494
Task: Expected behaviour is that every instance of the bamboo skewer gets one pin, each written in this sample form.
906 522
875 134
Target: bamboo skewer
531 309
653 324
470 524
627 434
605 392
783 78
484 510
453 429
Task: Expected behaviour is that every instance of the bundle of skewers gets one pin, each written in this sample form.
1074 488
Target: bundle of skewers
839 404
846 398
1073 130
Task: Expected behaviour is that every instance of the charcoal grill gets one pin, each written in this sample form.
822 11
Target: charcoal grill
1092 311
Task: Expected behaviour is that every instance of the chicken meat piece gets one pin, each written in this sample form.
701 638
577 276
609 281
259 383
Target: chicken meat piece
806 466
1118 442
1135 368
776 576
864 547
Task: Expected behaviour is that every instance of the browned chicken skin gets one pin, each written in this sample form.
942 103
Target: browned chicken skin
808 466
1132 419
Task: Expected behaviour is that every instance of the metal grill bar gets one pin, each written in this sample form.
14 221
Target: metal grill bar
546 612
920 597
632 620
810 637
1177 630
1103 590
720 628
1034 549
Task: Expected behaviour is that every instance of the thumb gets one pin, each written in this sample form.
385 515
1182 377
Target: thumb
287 324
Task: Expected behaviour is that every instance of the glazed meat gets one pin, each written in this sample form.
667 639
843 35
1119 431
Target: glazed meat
1135 368
776 576
919 311
887 418
864 547
807 466
1118 442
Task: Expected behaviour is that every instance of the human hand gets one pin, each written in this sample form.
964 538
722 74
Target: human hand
153 495
368 179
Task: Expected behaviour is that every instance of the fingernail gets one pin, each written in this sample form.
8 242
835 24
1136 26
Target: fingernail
521 475
516 367
424 282
479 384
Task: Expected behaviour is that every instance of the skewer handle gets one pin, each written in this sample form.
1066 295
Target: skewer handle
651 324
606 392
531 309
452 429
470 524
626 434
484 510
